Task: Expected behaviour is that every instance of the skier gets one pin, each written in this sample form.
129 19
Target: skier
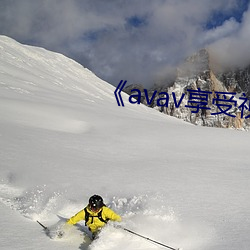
95 214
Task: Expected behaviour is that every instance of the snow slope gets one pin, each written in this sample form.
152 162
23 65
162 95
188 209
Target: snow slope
63 138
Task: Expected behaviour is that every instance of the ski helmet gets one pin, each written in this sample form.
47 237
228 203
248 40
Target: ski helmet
95 202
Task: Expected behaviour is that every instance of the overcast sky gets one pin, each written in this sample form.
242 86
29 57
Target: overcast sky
136 40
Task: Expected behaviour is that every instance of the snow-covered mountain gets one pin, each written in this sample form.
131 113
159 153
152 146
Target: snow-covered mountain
200 73
63 138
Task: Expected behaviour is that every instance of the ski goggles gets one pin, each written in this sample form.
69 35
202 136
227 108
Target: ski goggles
94 208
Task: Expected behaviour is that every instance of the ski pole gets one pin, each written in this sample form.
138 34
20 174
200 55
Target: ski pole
146 238
45 228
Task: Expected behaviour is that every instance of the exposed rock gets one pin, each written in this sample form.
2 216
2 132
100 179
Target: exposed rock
197 75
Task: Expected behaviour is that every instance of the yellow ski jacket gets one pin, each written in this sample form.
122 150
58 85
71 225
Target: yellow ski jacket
94 223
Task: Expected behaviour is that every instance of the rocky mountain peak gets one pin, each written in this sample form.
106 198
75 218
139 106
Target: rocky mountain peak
195 65
199 73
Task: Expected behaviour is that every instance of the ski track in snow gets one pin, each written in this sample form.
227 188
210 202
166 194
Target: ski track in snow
42 116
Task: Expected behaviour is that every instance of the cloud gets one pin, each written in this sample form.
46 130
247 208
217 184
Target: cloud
140 41
232 50
228 28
